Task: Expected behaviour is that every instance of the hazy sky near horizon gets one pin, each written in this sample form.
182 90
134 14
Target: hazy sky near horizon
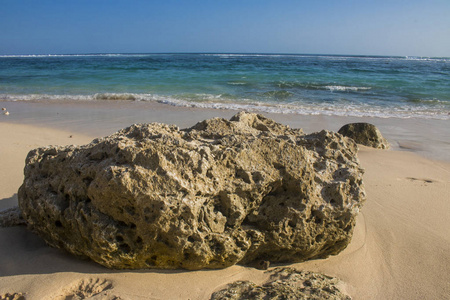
366 27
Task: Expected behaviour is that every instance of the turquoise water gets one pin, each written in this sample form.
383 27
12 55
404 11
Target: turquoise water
400 87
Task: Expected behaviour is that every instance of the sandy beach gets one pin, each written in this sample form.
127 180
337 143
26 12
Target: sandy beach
400 248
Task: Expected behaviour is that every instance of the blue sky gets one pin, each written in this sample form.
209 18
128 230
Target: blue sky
367 27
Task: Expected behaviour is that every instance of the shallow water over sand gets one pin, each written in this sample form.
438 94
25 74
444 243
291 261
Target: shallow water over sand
427 137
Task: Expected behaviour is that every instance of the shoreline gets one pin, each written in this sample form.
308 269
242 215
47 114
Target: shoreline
400 248
427 137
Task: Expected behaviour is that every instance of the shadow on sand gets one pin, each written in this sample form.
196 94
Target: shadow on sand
22 252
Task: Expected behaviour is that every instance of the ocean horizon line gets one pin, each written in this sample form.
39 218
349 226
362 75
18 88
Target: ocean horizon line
220 53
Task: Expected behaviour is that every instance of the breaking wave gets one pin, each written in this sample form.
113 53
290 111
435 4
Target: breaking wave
114 96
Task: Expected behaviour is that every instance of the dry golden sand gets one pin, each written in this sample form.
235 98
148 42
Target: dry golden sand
400 249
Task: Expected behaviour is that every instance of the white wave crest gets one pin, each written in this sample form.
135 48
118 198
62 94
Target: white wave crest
422 58
340 88
237 83
114 96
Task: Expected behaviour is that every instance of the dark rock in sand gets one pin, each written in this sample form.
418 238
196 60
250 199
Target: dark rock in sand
11 217
365 134
220 193
285 283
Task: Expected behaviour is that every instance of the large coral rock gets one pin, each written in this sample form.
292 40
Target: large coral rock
219 193
286 283
365 134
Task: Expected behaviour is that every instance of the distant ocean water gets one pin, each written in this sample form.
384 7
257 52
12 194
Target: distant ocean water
388 87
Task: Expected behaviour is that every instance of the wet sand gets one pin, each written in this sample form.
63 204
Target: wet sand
429 138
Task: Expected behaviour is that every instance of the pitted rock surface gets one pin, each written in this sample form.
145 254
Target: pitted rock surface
222 192
285 283
365 134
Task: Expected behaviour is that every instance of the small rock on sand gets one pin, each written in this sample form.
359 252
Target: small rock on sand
285 283
365 134
11 217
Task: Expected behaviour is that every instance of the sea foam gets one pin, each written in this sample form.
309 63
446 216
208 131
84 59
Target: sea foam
210 101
